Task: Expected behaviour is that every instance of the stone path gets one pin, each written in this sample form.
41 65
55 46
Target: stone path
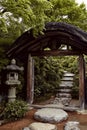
28 119
70 125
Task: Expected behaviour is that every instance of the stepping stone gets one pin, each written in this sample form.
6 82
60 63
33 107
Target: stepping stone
42 126
72 125
50 115
26 128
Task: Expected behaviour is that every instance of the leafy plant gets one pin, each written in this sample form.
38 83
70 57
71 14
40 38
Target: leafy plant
14 110
48 73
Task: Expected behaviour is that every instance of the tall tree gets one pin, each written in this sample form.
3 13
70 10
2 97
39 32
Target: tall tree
24 14
21 15
69 11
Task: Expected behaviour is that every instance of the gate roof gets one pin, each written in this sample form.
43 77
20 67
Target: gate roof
55 34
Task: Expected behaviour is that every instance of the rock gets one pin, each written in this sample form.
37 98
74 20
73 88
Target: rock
26 128
42 126
54 105
71 125
51 115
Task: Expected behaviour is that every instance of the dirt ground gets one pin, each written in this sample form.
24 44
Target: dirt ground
28 119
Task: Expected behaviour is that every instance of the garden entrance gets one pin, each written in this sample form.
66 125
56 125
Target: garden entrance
56 35
56 78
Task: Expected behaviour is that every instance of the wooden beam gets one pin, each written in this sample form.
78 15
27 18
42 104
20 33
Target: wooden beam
81 82
55 53
30 80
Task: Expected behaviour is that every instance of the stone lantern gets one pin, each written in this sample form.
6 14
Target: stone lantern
65 88
12 80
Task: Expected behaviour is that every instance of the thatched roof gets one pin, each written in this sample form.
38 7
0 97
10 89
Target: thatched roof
55 33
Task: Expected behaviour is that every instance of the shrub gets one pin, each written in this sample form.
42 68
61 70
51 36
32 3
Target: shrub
48 73
14 110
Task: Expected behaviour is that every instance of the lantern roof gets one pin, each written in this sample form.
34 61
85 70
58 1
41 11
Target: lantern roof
13 66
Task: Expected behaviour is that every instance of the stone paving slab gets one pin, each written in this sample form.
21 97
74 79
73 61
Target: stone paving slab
42 126
56 106
72 125
51 115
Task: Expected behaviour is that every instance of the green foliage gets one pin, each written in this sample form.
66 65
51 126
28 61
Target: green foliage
14 110
17 16
69 63
2 107
21 15
68 11
48 73
75 92
27 13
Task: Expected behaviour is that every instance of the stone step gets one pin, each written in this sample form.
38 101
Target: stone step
50 115
42 126
56 106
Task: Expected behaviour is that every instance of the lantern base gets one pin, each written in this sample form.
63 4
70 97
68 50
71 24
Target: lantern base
11 94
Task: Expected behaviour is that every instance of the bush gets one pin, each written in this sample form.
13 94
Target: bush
14 110
48 73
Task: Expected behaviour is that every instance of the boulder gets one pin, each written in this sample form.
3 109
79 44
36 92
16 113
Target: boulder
50 115
42 126
72 125
26 128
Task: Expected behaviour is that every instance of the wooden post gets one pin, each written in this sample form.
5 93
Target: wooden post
30 80
81 82
32 89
